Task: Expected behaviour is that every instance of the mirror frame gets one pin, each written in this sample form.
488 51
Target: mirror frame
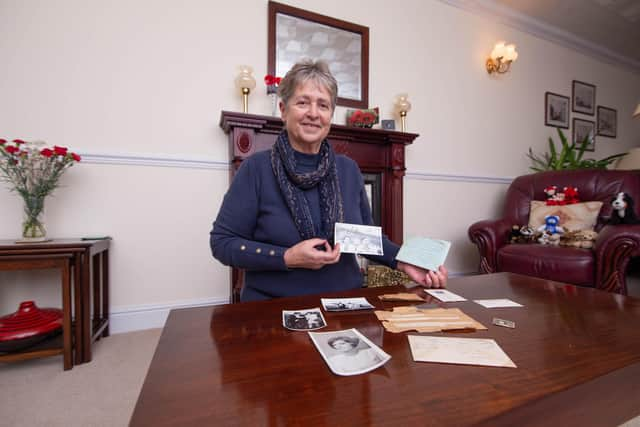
278 8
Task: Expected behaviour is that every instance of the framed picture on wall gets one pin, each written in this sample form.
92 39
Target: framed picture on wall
584 98
584 129
607 121
556 110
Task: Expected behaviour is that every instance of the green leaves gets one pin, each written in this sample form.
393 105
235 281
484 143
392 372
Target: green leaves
568 156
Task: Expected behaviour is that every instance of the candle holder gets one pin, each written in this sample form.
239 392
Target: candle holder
402 107
245 82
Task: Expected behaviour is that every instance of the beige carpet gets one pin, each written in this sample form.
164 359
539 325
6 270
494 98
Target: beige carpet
100 393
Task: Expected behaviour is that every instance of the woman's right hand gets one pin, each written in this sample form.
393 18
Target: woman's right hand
306 255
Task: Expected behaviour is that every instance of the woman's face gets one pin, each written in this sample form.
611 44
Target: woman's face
307 116
341 345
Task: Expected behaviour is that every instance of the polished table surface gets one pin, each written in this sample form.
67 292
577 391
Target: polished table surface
577 352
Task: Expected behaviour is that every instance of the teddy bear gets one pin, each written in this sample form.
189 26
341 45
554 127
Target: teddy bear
551 225
571 195
623 210
551 191
522 234
547 238
584 239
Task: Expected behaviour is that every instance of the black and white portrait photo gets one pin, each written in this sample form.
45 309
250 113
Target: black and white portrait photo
584 98
303 320
348 352
584 129
556 110
607 121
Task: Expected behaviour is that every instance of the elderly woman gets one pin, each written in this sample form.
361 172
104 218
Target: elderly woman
277 219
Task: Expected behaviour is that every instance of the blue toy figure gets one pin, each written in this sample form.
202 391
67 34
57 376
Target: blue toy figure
551 225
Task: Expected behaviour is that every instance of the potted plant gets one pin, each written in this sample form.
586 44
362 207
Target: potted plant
569 156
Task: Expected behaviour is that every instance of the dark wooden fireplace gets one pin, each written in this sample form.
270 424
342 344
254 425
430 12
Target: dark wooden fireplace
379 153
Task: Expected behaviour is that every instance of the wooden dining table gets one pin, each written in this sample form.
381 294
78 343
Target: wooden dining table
577 352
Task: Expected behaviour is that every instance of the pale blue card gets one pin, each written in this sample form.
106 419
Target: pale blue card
424 252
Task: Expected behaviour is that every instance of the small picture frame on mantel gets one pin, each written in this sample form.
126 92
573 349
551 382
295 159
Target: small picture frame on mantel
607 120
584 98
556 110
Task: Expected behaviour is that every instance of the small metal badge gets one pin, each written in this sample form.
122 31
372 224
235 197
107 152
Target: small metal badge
504 323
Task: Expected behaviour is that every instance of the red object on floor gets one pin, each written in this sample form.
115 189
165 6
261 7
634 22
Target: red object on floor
28 325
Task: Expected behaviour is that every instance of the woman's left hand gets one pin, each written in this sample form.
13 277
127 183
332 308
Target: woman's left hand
424 277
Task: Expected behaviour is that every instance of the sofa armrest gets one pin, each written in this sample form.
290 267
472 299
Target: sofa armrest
614 247
489 236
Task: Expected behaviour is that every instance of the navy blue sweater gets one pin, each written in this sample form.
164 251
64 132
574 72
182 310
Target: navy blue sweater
254 228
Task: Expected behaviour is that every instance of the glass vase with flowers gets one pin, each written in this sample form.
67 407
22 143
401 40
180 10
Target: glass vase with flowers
33 171
272 83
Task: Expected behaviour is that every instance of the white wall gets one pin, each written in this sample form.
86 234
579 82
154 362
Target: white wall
130 84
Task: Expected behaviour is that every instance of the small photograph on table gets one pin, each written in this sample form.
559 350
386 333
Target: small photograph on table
345 304
348 352
303 320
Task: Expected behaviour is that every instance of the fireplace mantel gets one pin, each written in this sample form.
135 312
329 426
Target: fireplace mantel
377 151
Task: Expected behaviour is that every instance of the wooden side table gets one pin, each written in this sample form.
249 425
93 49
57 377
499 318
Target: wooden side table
86 257
30 262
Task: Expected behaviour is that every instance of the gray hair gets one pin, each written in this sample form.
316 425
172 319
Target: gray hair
303 71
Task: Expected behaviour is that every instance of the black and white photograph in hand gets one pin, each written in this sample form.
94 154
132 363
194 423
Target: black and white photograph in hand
348 352
607 121
584 129
584 98
303 320
358 239
556 110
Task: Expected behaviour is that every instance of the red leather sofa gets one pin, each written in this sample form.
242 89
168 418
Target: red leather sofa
603 267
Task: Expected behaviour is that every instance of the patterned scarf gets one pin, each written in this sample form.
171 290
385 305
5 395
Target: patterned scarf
292 185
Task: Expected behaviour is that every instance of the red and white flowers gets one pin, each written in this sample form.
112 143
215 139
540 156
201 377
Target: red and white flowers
272 83
33 172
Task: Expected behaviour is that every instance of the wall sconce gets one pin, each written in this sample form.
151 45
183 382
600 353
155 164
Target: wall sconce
501 58
402 107
636 113
245 82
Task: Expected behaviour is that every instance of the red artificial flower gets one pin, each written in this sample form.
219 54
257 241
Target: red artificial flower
60 151
11 149
75 157
270 80
3 141
355 117
368 118
18 141
46 152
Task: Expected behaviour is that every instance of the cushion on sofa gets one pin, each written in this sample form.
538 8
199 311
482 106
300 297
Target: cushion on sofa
577 216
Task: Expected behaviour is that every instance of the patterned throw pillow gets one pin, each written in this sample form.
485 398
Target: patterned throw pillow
578 216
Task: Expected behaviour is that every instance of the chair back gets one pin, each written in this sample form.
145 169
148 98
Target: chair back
592 184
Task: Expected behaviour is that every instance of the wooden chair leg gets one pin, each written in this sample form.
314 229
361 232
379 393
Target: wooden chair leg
66 316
